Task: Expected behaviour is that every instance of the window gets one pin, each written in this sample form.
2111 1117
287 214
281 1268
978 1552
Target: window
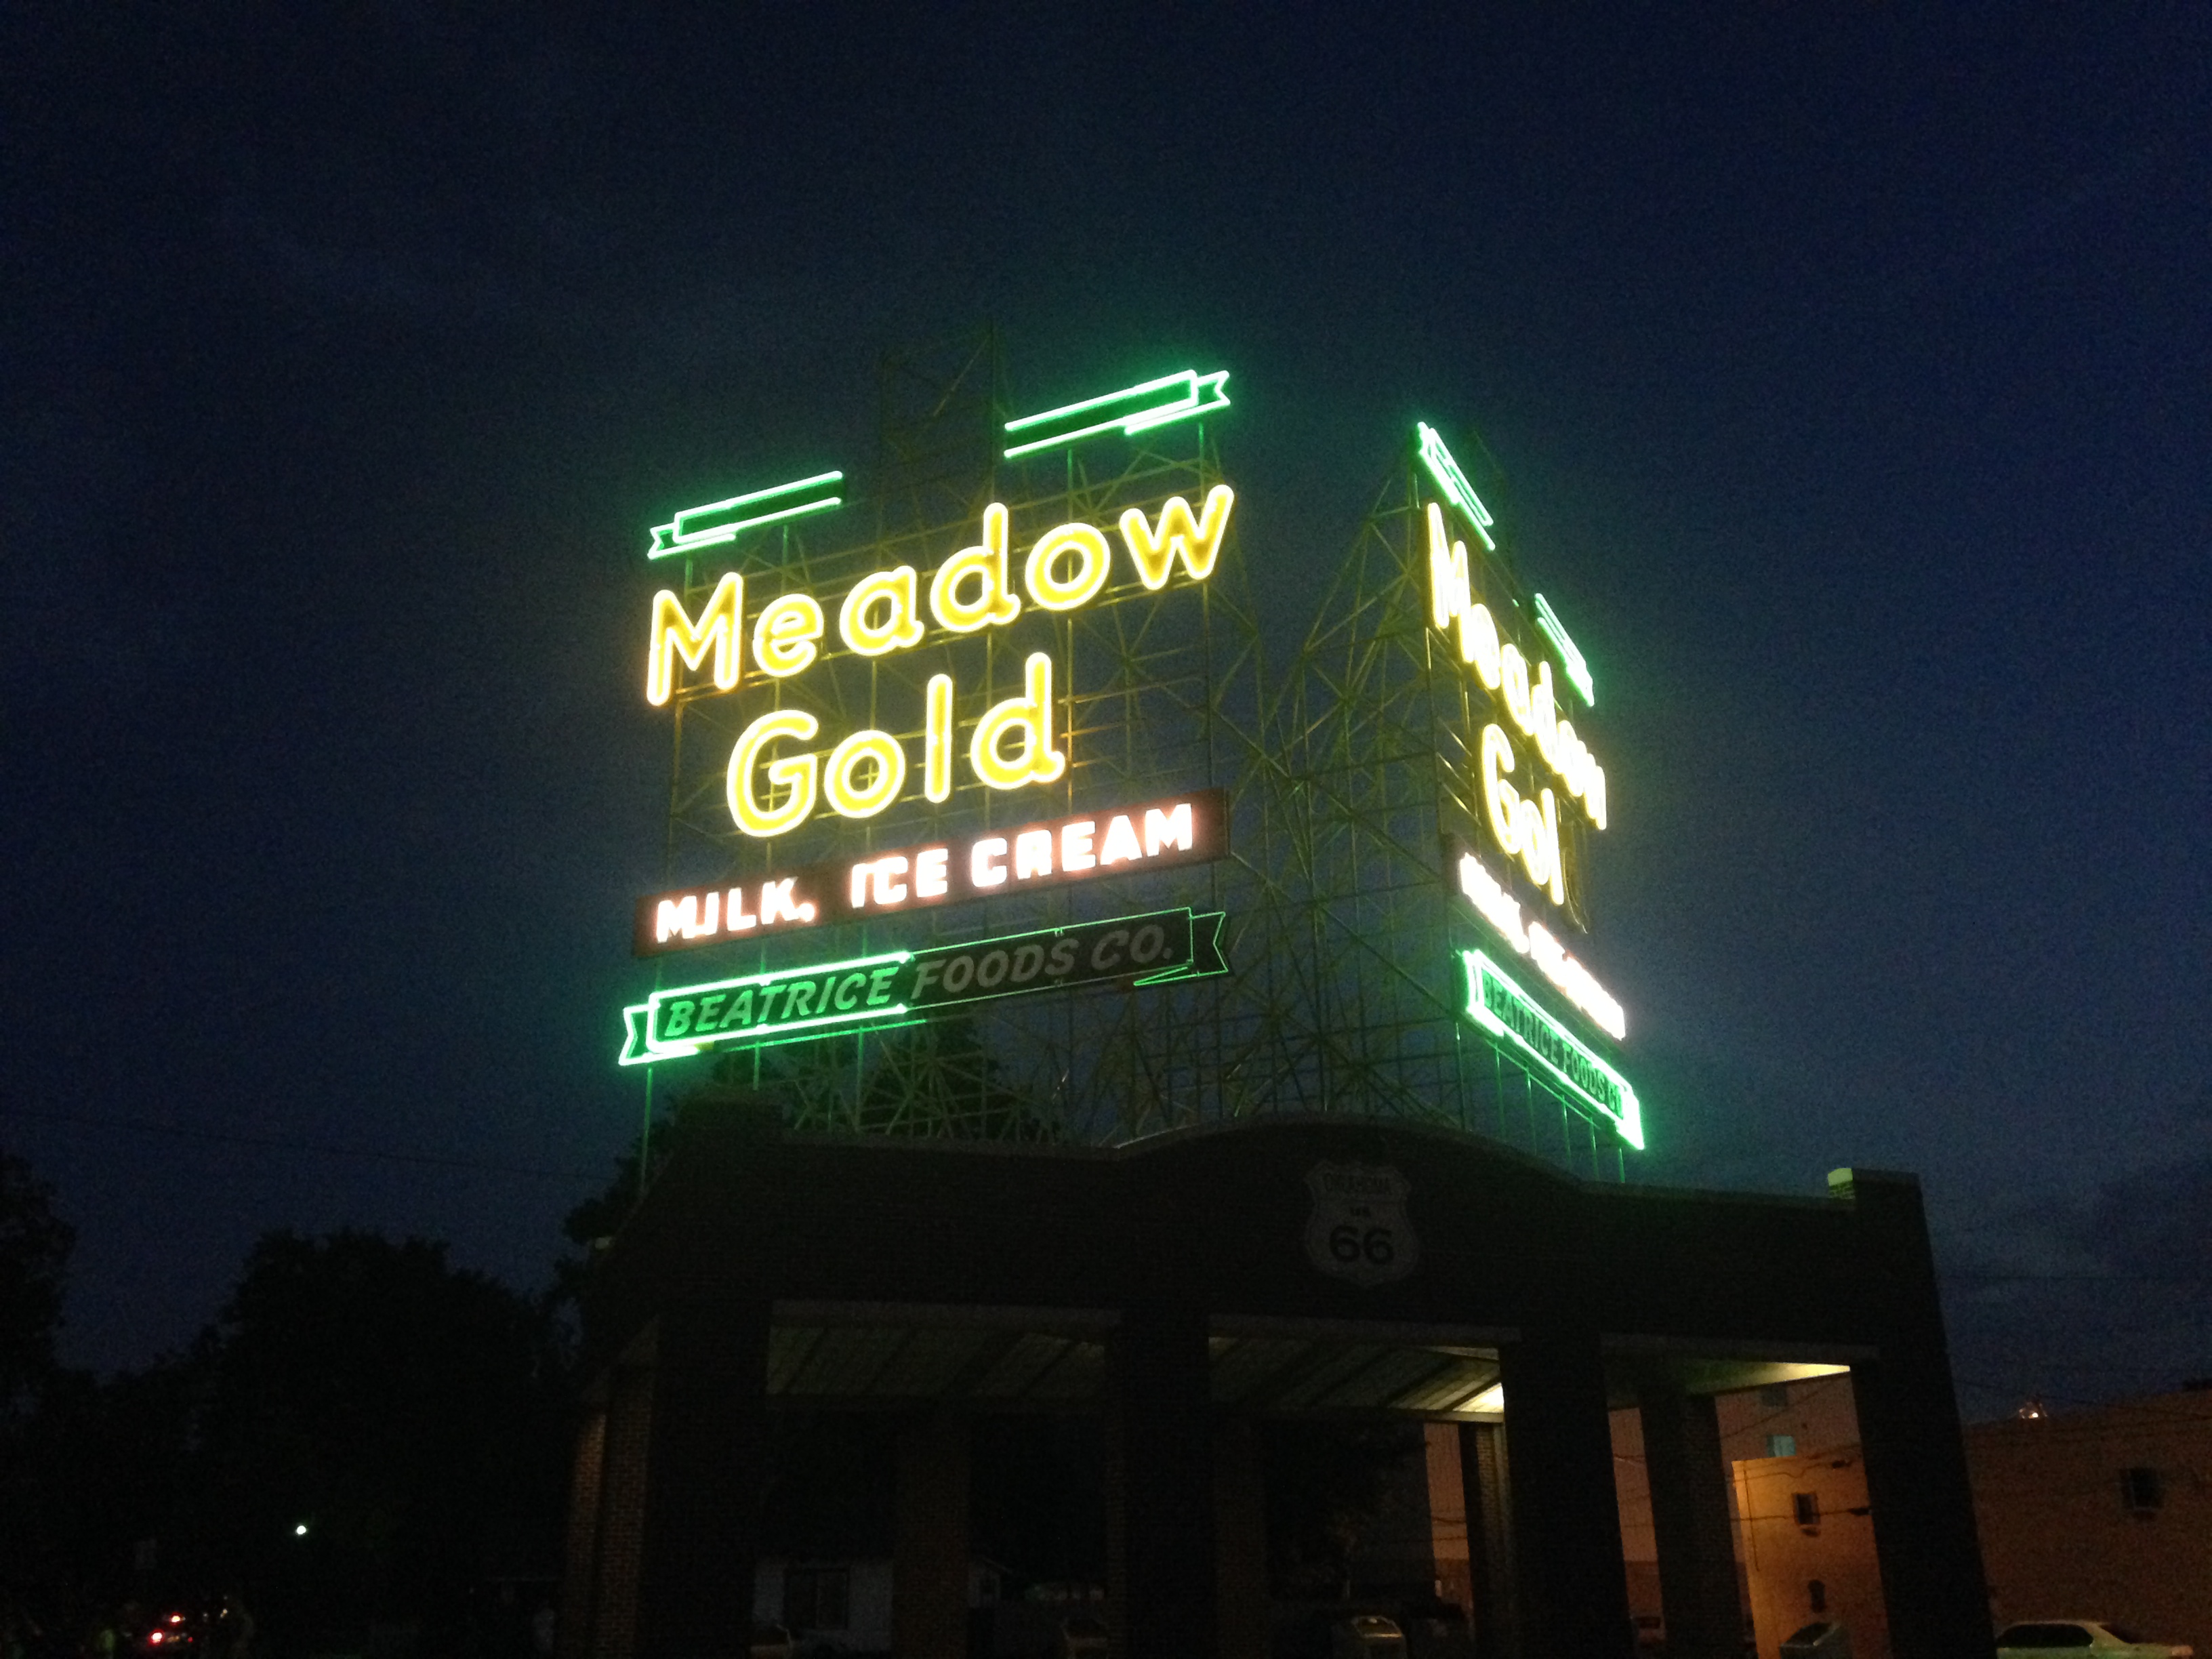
1782 1445
2143 1491
1774 1396
1807 1507
1817 1594
815 1598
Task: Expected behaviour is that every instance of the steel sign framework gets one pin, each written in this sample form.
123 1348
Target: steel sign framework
1337 789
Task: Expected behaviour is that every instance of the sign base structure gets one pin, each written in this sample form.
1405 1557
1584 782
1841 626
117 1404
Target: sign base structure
1185 1297
898 987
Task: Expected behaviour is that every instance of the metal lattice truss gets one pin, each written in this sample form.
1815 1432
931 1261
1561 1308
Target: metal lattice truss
1343 993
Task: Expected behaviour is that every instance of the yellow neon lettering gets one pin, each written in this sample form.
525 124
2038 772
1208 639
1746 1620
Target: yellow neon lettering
794 773
1449 593
1030 718
1592 793
937 738
1556 883
993 603
1535 852
1155 548
1478 644
1544 718
675 635
1451 600
1050 590
879 750
1574 758
1513 671
1121 845
1501 801
783 638
1032 854
1075 852
929 878
880 615
984 867
1170 828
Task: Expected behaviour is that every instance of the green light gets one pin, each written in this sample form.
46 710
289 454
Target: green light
719 522
897 987
648 1039
1132 409
1502 1008
1206 958
1453 481
1571 659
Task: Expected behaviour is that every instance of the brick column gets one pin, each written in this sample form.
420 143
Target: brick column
1484 1478
929 1550
1573 1593
1690 1515
1159 1484
1924 1539
1240 1540
705 1472
622 1513
580 1553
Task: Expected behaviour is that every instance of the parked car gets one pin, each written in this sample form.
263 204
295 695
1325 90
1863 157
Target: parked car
1082 1636
771 1642
2073 1638
1366 1636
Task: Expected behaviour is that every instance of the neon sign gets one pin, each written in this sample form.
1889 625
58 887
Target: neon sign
1179 396
718 523
1445 470
1502 1008
1534 940
1011 745
1523 816
1157 834
1570 657
897 987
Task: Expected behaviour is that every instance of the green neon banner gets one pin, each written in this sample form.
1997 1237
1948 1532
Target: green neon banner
1570 657
719 522
1444 468
1502 1008
1132 409
896 987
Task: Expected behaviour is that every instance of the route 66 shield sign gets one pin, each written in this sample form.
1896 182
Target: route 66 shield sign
1358 1229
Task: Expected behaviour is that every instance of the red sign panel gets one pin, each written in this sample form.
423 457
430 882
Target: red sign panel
1191 829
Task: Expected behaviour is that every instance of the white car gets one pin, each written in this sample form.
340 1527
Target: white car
2071 1639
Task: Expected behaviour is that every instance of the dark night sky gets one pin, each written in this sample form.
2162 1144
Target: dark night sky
1853 365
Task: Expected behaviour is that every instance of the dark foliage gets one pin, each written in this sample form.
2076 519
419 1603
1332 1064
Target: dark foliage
412 1416
409 1414
34 1251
